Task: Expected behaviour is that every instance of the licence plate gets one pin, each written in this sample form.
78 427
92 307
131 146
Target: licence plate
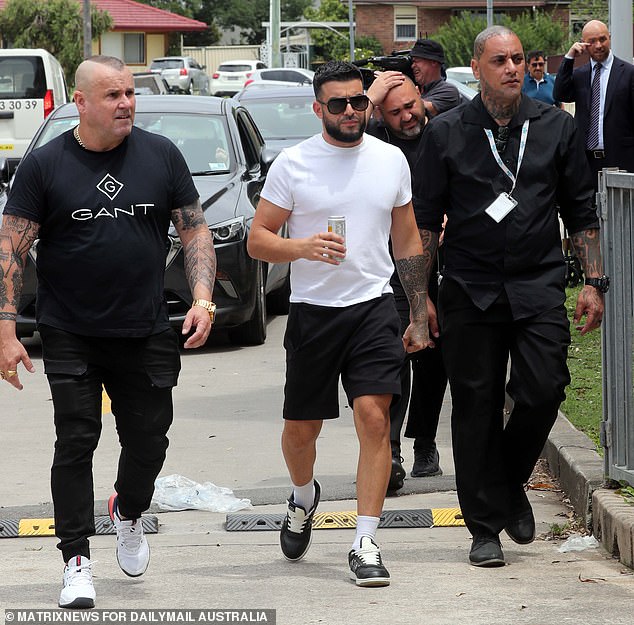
233 77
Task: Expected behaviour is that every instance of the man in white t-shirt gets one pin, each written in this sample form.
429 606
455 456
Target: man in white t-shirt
342 320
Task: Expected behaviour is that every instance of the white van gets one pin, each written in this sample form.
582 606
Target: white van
32 84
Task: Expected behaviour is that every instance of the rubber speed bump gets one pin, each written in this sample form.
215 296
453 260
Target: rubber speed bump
438 517
19 528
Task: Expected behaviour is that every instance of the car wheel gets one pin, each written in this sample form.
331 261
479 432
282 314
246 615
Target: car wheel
253 332
190 88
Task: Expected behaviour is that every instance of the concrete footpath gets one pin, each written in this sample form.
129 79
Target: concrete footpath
227 431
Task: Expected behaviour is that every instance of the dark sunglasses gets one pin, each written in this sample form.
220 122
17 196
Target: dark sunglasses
336 106
538 64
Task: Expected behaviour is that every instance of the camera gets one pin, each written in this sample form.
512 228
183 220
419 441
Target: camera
397 61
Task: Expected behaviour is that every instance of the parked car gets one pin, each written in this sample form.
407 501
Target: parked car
466 93
182 73
150 83
32 84
281 76
463 75
224 151
230 76
284 115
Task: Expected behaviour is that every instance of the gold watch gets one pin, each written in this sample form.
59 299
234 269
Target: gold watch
210 307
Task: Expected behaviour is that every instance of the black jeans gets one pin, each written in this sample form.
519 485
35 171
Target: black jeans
138 375
492 460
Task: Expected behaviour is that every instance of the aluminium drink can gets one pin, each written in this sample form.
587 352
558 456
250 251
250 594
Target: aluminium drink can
338 226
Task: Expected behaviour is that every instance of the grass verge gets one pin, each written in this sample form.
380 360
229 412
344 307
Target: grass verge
583 404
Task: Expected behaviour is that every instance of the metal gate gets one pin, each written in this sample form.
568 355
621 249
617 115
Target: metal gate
616 207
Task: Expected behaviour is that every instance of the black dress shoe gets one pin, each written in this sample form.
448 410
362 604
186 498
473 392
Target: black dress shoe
397 474
520 526
486 551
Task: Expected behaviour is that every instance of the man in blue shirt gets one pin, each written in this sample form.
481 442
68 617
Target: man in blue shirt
537 83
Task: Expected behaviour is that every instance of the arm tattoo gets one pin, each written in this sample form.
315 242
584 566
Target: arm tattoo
411 272
430 247
414 273
189 217
16 237
588 249
198 248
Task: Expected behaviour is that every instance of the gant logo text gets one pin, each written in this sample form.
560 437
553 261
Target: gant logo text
84 214
110 186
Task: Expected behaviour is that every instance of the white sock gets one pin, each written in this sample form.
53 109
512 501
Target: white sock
304 496
366 526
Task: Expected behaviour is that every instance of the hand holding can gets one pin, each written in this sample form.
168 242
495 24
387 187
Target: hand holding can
337 225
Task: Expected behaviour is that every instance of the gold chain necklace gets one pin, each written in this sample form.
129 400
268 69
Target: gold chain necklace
78 138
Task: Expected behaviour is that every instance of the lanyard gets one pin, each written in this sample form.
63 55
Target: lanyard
520 156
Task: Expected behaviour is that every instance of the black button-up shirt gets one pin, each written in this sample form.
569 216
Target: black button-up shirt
457 174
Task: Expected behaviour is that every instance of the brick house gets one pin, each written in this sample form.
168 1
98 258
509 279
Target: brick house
140 32
398 23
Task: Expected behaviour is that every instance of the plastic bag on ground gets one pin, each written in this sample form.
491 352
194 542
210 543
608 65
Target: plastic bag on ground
176 492
579 543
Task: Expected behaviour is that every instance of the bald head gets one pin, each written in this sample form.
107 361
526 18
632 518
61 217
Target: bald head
597 37
86 71
402 110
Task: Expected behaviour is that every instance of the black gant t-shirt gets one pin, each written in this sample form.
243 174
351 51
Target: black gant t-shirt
104 219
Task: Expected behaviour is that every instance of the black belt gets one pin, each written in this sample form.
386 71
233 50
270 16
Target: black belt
596 153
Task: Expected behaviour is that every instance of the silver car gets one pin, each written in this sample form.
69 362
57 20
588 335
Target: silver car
182 73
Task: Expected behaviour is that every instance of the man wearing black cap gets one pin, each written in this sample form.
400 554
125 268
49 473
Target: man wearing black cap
438 95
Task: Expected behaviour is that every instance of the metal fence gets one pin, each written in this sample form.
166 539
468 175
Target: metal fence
616 208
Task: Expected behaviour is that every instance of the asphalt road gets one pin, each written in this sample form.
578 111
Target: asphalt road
226 431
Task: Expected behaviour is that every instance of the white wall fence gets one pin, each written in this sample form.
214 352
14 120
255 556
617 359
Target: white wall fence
212 56
616 210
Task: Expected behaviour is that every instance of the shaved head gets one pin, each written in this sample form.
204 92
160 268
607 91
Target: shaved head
85 71
593 26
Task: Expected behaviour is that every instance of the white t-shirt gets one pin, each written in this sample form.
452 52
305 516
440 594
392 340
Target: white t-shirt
316 180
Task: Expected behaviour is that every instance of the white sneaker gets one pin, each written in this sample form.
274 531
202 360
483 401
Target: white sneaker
366 565
133 551
77 591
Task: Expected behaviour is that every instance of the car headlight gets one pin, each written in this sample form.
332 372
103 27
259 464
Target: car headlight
230 231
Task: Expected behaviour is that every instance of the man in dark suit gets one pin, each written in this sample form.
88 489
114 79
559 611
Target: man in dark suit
603 93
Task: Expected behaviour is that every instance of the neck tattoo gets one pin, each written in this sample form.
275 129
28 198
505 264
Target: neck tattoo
78 138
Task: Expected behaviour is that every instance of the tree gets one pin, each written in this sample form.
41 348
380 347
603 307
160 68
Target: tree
535 30
200 10
336 45
55 25
249 15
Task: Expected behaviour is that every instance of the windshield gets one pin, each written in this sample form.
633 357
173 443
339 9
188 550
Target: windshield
234 68
202 139
167 64
293 118
22 77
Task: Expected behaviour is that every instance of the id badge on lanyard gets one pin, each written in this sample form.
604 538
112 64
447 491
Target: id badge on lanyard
504 203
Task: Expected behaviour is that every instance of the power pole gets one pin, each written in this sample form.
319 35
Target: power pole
351 20
489 13
275 12
621 28
87 30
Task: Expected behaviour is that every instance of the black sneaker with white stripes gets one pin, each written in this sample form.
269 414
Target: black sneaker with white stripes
366 566
296 533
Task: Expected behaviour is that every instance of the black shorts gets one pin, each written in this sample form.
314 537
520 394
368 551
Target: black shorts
361 343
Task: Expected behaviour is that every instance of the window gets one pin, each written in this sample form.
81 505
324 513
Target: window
405 23
134 48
